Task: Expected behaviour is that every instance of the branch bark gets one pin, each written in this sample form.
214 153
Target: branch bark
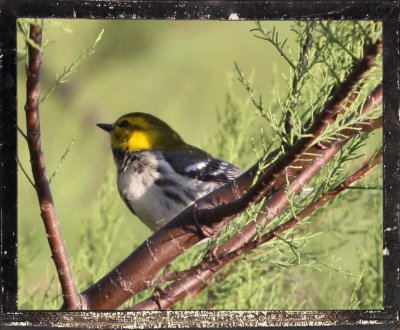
48 214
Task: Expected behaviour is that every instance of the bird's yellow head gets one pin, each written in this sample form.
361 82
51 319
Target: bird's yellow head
139 131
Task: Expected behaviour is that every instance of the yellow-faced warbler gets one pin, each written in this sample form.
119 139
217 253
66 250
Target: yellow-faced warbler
159 174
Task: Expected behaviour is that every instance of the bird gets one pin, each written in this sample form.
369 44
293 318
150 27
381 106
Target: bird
158 173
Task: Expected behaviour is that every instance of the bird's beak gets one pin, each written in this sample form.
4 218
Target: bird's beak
106 127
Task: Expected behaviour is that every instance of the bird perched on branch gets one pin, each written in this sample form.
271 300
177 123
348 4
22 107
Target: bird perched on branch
159 174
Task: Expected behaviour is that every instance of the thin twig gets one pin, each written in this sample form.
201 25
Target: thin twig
26 174
274 40
48 214
62 78
63 156
22 133
336 41
299 73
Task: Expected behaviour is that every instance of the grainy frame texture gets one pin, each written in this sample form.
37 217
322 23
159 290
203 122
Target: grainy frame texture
386 11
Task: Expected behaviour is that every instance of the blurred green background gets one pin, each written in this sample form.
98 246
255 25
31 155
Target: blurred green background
177 70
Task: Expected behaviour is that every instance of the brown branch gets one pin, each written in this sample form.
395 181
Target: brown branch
138 270
48 214
230 256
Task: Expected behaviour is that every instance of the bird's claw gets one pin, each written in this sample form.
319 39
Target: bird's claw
212 253
204 230
158 291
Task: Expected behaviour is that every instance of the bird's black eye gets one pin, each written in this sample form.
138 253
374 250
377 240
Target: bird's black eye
123 123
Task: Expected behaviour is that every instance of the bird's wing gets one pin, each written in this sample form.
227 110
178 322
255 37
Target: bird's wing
199 165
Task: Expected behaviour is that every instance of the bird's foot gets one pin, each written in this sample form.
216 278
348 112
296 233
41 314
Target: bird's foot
205 231
158 291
